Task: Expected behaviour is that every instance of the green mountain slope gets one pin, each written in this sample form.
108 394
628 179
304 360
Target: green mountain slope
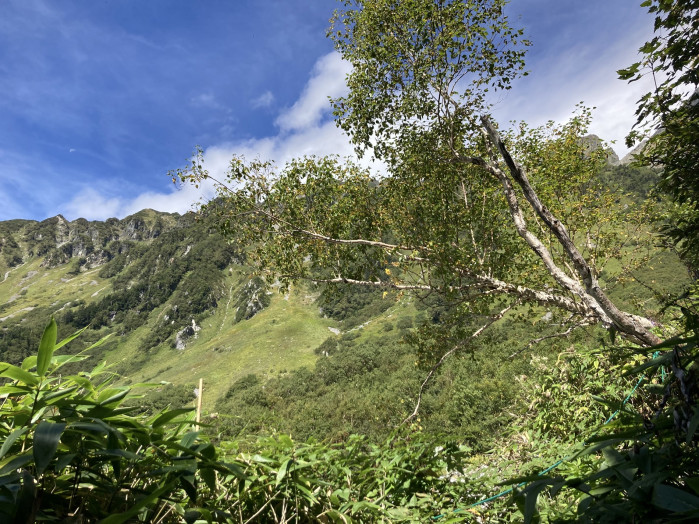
177 298
180 305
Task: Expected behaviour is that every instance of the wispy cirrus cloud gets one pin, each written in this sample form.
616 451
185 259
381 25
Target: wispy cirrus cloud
265 100
303 129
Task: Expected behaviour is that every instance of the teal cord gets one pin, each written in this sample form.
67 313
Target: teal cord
554 466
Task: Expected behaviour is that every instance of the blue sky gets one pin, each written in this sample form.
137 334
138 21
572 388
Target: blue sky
100 98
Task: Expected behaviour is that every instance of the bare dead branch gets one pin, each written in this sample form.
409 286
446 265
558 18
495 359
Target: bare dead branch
369 283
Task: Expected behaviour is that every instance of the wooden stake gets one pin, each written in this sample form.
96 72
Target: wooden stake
199 397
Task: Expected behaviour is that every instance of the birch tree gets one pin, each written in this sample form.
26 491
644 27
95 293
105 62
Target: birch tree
486 218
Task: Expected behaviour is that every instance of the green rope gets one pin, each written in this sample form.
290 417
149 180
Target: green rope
554 466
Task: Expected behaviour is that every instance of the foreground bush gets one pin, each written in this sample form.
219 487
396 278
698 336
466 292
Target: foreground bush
73 451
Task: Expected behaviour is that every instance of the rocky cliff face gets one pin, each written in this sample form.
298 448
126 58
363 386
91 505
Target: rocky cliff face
594 143
631 155
59 241
166 269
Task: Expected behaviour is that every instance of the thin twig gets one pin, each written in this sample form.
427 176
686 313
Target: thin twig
446 355
546 337
263 507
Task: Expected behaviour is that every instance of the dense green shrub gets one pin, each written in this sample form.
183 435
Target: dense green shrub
71 450
636 459
353 304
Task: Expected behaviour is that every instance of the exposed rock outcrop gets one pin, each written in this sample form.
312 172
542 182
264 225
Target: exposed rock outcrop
253 298
59 240
593 143
631 155
185 334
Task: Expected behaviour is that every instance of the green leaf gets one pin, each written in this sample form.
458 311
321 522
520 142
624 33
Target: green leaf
191 516
46 348
29 362
90 427
59 394
62 461
189 439
189 485
112 395
229 468
12 437
281 473
166 417
46 438
531 514
120 453
98 343
261 459
69 339
80 381
612 456
662 360
15 390
61 360
208 475
120 518
26 498
673 499
16 463
16 373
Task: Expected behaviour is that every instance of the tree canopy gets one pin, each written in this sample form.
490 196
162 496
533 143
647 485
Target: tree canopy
668 116
489 219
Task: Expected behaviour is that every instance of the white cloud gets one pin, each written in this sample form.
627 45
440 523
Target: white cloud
319 140
266 99
586 73
327 80
90 204
306 128
93 205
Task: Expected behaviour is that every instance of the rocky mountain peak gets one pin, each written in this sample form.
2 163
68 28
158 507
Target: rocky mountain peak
631 155
593 143
59 240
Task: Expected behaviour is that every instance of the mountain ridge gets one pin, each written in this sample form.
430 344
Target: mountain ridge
181 303
165 285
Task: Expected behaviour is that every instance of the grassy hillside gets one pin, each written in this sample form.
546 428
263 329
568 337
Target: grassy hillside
278 339
180 305
162 282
